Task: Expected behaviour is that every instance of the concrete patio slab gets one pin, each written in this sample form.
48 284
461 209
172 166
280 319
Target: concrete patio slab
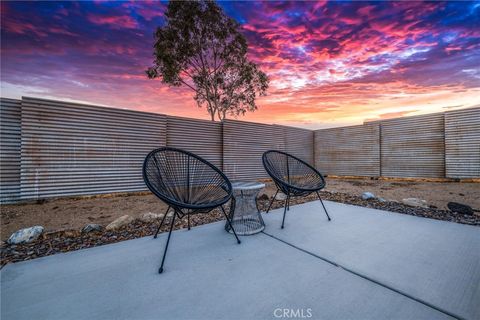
437 262
207 276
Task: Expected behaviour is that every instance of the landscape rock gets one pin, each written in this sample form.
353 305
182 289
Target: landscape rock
415 202
120 222
150 216
460 208
264 197
380 199
70 233
92 227
26 235
62 233
368 196
281 196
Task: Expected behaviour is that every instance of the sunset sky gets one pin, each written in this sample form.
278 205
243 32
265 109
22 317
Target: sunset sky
330 63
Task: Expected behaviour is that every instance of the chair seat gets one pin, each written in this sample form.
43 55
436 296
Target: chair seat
184 180
198 197
293 177
292 174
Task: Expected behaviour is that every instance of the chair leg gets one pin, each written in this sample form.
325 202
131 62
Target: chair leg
188 218
230 224
161 223
288 204
285 209
166 246
323 206
273 199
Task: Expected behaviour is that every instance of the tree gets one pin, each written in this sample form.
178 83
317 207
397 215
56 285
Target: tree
201 48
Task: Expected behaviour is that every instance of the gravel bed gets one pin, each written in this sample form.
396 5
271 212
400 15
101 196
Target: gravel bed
432 212
70 240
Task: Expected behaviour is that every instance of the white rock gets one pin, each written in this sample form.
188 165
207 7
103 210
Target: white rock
120 222
380 199
150 216
415 202
368 195
25 235
281 196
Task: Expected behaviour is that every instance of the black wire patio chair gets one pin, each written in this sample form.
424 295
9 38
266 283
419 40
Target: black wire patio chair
186 183
292 176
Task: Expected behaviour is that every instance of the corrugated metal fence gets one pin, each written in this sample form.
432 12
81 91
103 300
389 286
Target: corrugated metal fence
243 146
439 145
348 151
413 146
462 143
55 148
75 149
10 145
202 137
245 142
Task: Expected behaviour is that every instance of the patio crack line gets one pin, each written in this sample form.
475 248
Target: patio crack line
439 309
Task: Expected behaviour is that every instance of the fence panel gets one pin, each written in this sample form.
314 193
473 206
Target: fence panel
54 148
243 146
75 149
10 146
462 143
298 142
348 151
201 137
413 146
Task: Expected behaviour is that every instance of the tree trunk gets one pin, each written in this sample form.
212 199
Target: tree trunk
211 111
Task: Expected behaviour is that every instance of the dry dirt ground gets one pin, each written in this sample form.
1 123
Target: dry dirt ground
70 213
435 193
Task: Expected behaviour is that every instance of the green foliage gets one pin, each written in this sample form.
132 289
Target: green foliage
201 47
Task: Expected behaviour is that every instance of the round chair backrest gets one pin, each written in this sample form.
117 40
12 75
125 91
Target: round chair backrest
289 170
185 180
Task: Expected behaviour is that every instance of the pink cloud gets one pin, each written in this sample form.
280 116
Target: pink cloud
22 28
115 22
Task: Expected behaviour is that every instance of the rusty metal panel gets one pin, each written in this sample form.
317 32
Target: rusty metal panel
10 144
243 146
348 151
201 137
413 146
77 149
462 143
298 142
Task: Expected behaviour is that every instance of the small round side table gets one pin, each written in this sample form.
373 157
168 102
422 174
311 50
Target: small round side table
244 214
